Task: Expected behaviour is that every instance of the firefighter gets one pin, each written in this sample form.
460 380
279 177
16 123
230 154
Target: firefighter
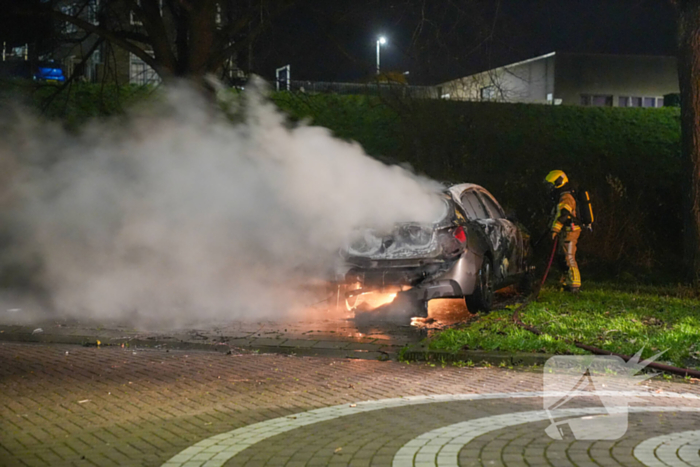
565 226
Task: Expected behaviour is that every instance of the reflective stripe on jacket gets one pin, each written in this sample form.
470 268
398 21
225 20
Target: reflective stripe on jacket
566 214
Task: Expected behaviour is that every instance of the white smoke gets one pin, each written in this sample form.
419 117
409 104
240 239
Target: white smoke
180 214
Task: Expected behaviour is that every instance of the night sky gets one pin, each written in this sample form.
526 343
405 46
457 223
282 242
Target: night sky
436 40
334 40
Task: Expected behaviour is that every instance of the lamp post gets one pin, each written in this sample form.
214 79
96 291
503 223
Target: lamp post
380 41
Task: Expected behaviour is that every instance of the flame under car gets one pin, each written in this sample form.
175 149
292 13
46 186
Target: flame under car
472 251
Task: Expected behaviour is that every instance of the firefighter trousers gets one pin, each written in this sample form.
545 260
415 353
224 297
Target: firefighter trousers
567 252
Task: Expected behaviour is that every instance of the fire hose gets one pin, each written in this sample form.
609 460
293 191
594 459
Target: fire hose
594 350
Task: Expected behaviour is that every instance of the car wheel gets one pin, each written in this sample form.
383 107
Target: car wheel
482 297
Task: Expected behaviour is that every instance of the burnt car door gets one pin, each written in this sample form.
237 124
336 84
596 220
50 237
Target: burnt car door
493 231
509 236
483 225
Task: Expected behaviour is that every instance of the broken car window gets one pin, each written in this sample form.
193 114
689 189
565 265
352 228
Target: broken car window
496 211
475 210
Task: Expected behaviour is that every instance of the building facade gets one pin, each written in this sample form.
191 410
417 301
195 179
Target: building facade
573 79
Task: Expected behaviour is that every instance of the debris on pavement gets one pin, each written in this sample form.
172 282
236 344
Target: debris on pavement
37 331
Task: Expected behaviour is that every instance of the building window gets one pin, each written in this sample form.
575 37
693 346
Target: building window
93 10
141 73
96 56
488 93
596 100
133 17
602 101
69 10
625 101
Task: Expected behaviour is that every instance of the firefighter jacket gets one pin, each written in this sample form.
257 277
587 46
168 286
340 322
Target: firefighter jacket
565 214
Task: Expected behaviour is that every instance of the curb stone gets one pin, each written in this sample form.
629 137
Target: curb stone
309 348
306 349
476 356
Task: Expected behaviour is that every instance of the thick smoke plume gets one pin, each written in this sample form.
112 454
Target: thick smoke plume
180 214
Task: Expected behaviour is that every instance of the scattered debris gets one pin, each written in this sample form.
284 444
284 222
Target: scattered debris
422 322
83 401
14 310
37 331
353 405
337 450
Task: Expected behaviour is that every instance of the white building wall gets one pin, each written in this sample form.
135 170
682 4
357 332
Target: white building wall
530 81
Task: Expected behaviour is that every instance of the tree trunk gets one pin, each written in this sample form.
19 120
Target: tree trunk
689 80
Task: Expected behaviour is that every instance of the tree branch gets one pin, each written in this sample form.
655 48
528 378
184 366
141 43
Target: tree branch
112 37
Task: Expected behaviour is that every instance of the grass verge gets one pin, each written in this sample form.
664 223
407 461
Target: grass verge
619 319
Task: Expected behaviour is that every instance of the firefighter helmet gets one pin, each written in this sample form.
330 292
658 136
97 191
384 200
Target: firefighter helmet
556 178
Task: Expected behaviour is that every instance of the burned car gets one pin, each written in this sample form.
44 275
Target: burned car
472 251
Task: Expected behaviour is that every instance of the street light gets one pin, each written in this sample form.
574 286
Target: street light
380 41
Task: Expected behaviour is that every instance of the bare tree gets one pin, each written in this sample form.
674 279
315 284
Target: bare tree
689 77
177 38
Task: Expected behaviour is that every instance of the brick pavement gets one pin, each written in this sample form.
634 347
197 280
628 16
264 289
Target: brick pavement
68 405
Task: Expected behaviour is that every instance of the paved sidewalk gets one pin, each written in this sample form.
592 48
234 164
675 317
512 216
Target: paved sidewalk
70 405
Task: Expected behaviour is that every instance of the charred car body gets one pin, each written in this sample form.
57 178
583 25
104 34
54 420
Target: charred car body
472 251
